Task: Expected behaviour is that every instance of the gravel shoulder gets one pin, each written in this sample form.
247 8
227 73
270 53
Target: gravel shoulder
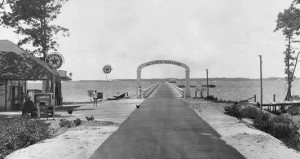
250 142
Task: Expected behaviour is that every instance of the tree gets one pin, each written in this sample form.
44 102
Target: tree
1 3
32 19
289 23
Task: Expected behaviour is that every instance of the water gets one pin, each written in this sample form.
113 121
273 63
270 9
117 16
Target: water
242 90
76 91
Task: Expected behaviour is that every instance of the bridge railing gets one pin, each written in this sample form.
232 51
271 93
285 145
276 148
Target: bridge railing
147 92
177 89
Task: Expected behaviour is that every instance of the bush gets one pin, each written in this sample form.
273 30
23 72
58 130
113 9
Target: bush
282 119
294 110
77 122
280 127
65 123
20 133
282 131
283 128
262 122
292 142
250 112
234 110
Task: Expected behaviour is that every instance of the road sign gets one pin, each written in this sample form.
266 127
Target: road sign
107 69
54 60
198 86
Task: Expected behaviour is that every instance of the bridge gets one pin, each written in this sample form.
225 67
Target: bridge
164 127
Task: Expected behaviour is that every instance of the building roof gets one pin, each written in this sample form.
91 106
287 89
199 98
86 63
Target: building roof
17 64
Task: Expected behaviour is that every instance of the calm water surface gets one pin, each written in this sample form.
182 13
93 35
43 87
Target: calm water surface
241 90
76 91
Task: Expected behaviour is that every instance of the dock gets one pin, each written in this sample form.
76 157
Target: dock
282 106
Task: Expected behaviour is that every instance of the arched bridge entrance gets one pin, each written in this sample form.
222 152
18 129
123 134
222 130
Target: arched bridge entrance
187 73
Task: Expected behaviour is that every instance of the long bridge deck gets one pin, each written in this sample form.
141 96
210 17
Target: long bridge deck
165 127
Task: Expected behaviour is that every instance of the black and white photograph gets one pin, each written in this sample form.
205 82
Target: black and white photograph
149 79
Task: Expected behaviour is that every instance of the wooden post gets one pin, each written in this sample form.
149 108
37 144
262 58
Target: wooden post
261 83
207 82
5 96
274 98
255 98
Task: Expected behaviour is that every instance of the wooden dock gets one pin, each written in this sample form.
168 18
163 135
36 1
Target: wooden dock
274 107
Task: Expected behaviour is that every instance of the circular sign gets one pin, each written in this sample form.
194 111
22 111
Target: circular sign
198 86
107 69
54 60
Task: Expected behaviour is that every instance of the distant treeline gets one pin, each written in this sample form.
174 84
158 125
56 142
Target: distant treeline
192 79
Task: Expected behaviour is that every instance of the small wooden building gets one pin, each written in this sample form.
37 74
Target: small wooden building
16 67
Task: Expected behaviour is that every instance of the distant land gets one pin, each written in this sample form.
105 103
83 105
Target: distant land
195 79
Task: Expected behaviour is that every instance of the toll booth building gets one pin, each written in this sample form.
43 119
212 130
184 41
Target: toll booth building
16 67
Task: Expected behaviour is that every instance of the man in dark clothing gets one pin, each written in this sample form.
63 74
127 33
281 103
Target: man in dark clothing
28 107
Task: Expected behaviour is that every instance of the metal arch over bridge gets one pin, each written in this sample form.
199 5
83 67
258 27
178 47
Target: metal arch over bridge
187 73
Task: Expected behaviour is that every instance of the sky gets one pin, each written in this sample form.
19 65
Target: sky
224 37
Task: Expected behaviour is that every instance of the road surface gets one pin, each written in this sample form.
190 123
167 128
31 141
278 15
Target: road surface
165 127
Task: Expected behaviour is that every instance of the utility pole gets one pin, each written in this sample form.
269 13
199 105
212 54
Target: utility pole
261 84
207 82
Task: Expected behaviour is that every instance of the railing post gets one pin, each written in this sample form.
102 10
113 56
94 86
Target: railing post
274 98
255 98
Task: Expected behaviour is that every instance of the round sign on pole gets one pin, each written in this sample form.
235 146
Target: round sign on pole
107 69
54 60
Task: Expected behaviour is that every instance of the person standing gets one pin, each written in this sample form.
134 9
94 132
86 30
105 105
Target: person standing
95 98
28 107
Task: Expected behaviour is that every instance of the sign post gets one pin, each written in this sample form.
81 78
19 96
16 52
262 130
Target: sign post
54 61
106 69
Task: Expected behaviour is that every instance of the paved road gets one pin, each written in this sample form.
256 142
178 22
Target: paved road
164 127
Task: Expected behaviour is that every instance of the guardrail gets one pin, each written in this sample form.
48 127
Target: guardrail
177 89
147 92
